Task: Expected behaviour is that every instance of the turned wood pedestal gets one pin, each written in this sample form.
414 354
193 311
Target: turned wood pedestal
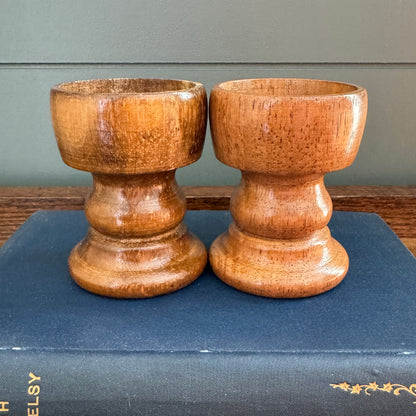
132 134
284 135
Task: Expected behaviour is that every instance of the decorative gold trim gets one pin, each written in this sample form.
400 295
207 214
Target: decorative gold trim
396 389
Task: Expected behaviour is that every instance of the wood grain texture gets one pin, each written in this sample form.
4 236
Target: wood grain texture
132 135
284 135
380 159
395 204
410 243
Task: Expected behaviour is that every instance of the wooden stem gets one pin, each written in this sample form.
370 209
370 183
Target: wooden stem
279 244
280 207
139 205
138 244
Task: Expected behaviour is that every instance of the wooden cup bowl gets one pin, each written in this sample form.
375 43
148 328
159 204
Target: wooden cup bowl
132 134
284 135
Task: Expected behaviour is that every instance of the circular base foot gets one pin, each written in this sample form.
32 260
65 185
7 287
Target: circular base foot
279 268
137 268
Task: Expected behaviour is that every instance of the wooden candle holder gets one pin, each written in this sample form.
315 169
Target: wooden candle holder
132 134
284 135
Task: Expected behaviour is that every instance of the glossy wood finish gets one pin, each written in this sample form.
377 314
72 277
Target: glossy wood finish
395 204
284 135
132 134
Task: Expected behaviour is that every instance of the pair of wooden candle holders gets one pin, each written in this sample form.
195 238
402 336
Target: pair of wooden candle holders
283 134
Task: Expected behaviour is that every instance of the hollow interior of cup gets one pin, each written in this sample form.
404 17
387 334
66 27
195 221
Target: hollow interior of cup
125 86
287 87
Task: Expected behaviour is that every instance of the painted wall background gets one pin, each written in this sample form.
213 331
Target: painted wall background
366 42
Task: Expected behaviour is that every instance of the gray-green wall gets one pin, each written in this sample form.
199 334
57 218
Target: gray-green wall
366 42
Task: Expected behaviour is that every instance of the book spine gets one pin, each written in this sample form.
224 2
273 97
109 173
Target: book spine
43 383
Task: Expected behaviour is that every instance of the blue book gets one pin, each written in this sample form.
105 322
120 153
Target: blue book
207 349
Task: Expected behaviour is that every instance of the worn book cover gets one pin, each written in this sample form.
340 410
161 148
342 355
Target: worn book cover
207 349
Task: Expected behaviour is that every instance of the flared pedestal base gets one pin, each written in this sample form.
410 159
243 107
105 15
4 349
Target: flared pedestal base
140 267
279 268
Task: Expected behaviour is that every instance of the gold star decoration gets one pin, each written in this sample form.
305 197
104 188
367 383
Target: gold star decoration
387 387
373 386
356 389
396 389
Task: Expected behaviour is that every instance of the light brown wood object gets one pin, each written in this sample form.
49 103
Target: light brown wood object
132 134
284 135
